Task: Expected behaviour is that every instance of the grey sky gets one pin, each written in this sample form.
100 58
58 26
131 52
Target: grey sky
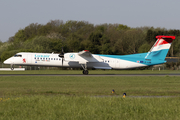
17 14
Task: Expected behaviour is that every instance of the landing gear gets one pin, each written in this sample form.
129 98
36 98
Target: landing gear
85 71
12 67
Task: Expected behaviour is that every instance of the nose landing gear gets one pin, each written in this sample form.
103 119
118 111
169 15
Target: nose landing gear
12 67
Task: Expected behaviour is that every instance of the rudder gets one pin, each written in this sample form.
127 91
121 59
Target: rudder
160 48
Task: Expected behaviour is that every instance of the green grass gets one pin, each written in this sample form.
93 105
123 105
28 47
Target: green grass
89 108
91 72
87 98
83 85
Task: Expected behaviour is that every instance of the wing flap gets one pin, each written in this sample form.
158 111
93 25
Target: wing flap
102 67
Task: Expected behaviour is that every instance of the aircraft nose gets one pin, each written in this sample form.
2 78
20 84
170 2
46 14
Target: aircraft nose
7 61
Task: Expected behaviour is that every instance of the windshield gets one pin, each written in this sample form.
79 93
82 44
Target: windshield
17 55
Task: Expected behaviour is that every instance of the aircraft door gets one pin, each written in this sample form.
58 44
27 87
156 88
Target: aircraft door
113 63
29 59
117 63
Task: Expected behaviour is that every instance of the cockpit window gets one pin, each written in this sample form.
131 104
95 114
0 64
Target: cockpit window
17 55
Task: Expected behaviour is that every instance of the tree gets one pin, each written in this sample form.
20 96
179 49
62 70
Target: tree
73 42
150 37
38 44
56 45
11 39
95 38
31 30
1 43
123 27
144 48
133 39
20 36
7 54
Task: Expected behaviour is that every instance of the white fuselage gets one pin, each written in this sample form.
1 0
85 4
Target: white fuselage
84 59
72 60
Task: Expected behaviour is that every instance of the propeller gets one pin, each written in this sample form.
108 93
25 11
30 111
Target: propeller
61 55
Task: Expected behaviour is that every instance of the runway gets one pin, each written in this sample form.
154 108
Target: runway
91 75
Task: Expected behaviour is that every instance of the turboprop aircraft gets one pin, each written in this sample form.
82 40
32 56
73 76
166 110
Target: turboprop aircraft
85 59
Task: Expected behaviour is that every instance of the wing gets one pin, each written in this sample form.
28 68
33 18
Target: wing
85 53
82 57
85 57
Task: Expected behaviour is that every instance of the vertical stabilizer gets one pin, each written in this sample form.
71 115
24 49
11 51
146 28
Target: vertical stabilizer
160 49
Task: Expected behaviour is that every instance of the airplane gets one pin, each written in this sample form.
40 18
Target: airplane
86 60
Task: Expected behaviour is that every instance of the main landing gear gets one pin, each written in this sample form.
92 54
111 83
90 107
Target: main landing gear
85 71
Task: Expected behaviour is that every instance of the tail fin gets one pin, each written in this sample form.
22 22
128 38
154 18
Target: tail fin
160 48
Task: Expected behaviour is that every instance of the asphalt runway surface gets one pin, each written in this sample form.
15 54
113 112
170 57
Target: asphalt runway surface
90 75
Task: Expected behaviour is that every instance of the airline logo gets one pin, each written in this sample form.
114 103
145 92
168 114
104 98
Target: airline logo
72 56
42 56
24 60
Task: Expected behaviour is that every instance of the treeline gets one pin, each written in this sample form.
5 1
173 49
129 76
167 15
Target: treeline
74 36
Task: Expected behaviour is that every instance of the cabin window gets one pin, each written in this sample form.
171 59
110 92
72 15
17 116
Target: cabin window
17 55
38 58
43 58
46 58
59 58
51 58
56 58
35 58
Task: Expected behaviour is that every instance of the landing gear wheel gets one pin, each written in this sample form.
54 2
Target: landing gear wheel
85 72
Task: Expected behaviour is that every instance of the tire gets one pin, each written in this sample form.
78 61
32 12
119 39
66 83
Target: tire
86 72
83 72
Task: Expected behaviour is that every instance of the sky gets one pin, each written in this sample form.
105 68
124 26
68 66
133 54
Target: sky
17 14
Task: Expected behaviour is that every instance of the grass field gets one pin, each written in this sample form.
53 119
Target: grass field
89 108
70 85
86 97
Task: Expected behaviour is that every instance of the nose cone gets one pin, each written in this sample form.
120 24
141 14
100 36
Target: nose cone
8 61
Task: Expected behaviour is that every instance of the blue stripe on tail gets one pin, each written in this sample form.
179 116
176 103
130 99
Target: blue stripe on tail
157 55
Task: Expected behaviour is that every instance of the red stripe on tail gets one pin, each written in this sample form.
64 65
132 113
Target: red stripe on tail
164 40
